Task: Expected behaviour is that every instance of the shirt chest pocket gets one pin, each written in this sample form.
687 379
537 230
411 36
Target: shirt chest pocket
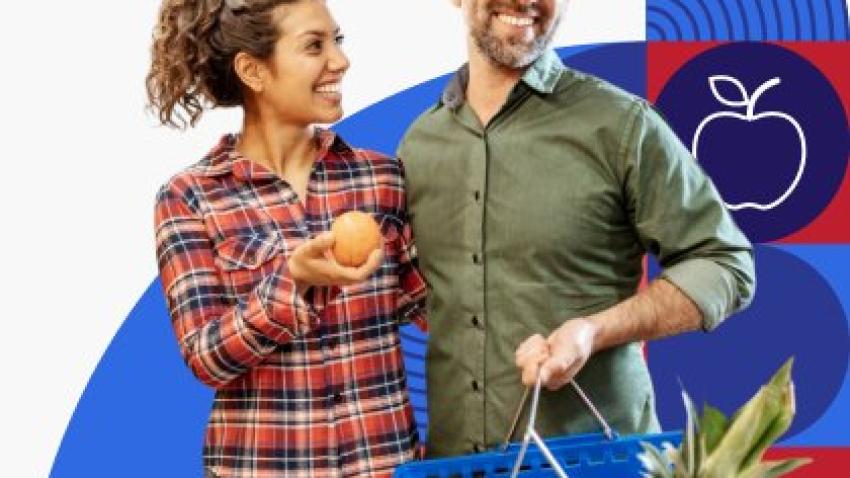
245 259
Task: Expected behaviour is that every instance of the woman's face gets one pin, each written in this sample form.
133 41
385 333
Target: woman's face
306 68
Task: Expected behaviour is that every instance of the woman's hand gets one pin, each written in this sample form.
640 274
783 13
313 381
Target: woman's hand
313 264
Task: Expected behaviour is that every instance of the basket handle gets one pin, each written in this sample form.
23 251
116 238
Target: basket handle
531 433
606 429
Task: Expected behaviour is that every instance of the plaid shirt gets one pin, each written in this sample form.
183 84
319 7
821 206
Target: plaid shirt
327 401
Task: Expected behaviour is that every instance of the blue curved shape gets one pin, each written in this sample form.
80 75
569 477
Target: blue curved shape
413 355
845 7
790 21
681 17
142 405
733 30
699 23
830 7
833 20
840 15
743 18
796 312
654 14
622 64
760 20
755 16
833 263
780 18
709 19
413 336
771 20
655 32
748 20
705 30
807 21
820 17
775 19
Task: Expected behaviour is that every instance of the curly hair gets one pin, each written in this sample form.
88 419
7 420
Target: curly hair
194 44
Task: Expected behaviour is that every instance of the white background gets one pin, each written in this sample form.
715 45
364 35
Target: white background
82 162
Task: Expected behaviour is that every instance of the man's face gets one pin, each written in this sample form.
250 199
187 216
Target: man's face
512 33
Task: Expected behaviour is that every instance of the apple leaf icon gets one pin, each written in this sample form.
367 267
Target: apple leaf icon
716 80
750 116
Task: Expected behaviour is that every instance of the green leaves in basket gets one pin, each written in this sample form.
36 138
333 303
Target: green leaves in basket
655 462
714 447
714 425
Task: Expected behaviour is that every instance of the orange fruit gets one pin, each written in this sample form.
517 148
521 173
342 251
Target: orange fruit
356 236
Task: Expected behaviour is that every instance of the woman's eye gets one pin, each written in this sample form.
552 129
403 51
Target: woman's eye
315 46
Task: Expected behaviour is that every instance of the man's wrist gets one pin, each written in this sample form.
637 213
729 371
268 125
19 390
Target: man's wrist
608 325
597 331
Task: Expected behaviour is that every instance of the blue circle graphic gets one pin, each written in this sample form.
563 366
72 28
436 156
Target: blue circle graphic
795 313
769 129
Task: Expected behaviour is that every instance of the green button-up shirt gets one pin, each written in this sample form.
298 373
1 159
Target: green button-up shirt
543 215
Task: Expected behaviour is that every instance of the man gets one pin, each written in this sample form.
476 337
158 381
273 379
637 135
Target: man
535 192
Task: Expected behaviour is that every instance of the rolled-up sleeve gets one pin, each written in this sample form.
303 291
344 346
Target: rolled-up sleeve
680 218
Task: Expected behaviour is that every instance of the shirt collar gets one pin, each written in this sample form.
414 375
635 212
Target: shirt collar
540 76
225 159
544 73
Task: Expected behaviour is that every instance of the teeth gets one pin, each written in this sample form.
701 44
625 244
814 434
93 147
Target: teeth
329 88
515 21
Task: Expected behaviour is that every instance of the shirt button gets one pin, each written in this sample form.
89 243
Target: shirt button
476 259
475 321
477 195
475 386
338 397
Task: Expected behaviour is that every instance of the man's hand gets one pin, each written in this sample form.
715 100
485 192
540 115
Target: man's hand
659 310
570 346
560 357
529 356
313 264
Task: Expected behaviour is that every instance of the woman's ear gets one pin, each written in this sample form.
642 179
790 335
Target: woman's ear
250 71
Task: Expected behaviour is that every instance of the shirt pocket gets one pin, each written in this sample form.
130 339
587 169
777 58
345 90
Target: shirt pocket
246 251
244 260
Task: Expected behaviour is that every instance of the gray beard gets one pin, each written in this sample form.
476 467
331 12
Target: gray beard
513 55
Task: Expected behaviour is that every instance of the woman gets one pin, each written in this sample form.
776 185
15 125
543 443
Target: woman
303 352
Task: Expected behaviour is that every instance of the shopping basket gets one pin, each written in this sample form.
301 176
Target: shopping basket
594 455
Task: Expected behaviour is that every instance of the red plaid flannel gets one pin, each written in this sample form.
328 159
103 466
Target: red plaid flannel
328 401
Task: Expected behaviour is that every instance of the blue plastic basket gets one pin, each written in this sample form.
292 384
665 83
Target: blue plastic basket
596 455
581 456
